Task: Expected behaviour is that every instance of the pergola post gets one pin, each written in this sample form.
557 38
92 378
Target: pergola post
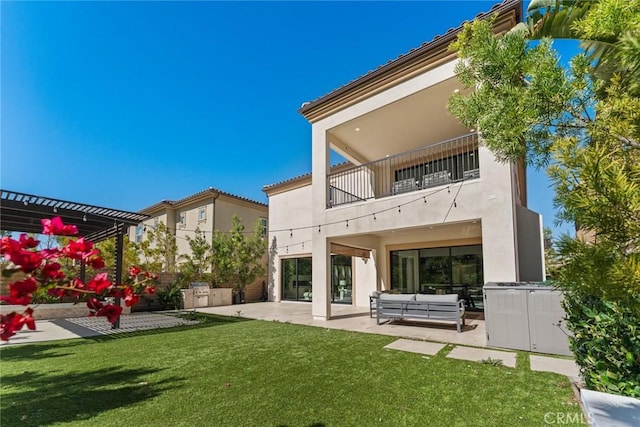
83 271
118 266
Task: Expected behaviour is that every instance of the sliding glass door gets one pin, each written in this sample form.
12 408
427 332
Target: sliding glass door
341 279
404 271
296 279
456 269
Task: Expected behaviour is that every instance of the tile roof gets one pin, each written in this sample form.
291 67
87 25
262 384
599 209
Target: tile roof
299 177
210 190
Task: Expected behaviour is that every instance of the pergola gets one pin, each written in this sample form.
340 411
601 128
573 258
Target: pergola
22 213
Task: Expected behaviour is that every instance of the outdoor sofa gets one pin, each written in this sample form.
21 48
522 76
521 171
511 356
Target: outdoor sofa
448 307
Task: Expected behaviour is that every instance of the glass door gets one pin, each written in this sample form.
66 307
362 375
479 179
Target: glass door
404 271
341 279
296 279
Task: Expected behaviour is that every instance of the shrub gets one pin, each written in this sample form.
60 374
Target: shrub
606 342
171 297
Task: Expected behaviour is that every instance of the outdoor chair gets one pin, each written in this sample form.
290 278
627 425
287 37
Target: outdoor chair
435 179
404 186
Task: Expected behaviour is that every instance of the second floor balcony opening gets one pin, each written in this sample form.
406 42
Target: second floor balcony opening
427 167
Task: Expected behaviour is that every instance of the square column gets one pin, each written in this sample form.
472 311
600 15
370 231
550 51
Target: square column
321 304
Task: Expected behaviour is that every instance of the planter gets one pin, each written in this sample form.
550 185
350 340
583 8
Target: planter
63 310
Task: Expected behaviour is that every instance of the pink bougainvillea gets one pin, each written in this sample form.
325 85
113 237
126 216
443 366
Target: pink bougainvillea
43 271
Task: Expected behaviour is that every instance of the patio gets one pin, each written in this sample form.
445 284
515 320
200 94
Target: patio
357 319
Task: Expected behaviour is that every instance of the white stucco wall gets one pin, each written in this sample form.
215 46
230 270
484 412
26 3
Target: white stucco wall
289 213
365 279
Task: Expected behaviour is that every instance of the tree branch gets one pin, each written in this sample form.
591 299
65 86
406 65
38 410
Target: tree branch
629 141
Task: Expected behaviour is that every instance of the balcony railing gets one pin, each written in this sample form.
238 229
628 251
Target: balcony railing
439 164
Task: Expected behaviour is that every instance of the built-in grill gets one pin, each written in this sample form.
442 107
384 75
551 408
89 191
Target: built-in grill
200 294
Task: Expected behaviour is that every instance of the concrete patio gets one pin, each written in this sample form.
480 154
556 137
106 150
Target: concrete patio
357 319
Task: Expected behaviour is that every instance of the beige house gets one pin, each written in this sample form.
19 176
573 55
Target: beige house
207 210
421 207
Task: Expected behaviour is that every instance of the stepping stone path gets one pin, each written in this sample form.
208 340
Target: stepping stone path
479 354
538 363
422 347
553 364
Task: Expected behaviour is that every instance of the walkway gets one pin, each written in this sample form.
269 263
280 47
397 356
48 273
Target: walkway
357 319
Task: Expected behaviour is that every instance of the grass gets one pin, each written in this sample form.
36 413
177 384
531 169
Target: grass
232 372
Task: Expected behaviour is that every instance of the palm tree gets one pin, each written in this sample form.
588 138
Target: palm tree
609 31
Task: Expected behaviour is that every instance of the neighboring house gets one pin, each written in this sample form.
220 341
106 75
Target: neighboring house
421 206
208 210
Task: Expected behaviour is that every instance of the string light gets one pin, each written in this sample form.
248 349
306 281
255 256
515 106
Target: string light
84 217
422 197
374 214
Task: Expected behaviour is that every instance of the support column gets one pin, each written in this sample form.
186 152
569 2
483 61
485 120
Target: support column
321 304
321 249
118 262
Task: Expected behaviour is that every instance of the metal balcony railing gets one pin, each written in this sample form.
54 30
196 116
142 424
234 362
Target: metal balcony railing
431 166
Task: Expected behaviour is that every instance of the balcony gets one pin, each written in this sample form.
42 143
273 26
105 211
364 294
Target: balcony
435 165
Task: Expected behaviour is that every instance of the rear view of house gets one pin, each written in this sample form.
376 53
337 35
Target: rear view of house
421 206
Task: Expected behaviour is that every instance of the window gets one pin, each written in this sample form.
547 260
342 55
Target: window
182 219
139 231
296 279
264 222
156 220
447 270
202 214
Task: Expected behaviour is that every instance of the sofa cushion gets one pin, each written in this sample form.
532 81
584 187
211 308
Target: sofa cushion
397 297
437 298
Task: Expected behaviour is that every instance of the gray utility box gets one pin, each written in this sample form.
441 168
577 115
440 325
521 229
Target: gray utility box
525 316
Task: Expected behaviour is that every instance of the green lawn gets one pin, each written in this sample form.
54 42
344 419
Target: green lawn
228 372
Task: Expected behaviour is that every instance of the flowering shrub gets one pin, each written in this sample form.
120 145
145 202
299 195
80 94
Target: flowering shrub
43 272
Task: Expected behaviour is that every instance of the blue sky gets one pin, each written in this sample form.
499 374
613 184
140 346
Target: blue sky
123 104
